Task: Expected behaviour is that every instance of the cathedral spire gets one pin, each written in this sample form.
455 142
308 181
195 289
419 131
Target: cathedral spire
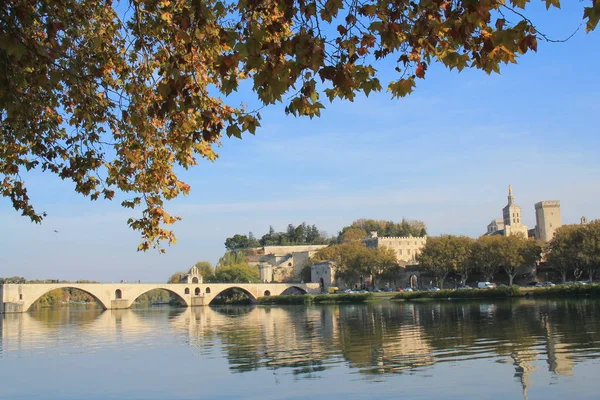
511 199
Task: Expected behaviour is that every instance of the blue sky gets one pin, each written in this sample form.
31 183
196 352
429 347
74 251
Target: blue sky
444 155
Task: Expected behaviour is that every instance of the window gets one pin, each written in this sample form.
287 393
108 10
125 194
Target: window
20 296
400 252
197 291
118 294
207 290
187 290
194 280
267 293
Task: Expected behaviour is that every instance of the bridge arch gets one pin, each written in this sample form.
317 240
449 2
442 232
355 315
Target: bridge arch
28 301
251 296
171 291
294 290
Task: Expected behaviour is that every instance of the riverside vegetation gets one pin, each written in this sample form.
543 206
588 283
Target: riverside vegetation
504 292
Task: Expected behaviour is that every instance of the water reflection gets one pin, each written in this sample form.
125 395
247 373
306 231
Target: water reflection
375 340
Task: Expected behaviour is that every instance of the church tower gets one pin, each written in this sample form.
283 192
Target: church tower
513 217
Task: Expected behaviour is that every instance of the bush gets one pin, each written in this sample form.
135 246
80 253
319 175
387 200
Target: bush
513 291
567 291
317 299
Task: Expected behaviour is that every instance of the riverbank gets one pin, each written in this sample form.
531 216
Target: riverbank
504 292
316 299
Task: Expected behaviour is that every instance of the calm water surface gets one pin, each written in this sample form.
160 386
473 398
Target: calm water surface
525 349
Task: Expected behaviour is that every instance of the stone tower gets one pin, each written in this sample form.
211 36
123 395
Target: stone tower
547 219
513 217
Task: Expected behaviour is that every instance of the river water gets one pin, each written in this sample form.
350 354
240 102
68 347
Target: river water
522 349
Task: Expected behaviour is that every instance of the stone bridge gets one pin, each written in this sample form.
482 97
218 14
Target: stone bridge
19 297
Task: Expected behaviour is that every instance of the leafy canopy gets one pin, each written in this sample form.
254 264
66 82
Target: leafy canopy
115 95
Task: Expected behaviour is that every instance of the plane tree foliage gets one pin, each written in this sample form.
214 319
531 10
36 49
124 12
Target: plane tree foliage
355 262
117 96
575 249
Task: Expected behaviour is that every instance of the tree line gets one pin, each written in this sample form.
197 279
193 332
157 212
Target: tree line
305 234
302 234
364 226
461 255
575 249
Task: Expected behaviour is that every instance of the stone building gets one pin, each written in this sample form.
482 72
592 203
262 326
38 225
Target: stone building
547 218
497 225
323 273
406 247
193 276
282 263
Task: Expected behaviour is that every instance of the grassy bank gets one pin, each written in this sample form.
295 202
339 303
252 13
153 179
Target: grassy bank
316 299
513 291
505 292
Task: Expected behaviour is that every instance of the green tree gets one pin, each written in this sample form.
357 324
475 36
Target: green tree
232 258
565 250
591 248
237 242
237 273
351 234
446 254
485 255
516 251
252 241
119 101
206 270
176 277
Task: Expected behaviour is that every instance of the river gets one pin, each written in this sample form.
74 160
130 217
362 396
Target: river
520 349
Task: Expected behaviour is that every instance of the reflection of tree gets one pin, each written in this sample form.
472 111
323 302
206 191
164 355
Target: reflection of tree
374 339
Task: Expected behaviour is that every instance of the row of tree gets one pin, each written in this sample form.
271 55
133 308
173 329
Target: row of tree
310 234
461 255
383 228
575 249
294 235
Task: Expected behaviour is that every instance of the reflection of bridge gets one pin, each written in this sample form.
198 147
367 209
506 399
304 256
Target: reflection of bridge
19 297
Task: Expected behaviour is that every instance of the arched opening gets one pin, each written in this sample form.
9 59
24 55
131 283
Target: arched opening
267 292
64 297
158 297
321 283
233 296
413 282
187 290
118 294
207 290
293 290
197 291
194 280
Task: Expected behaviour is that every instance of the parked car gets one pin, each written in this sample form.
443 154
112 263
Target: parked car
408 289
486 285
434 289
532 283
545 284
582 282
464 287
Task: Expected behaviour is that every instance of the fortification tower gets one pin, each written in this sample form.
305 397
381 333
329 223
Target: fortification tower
547 219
